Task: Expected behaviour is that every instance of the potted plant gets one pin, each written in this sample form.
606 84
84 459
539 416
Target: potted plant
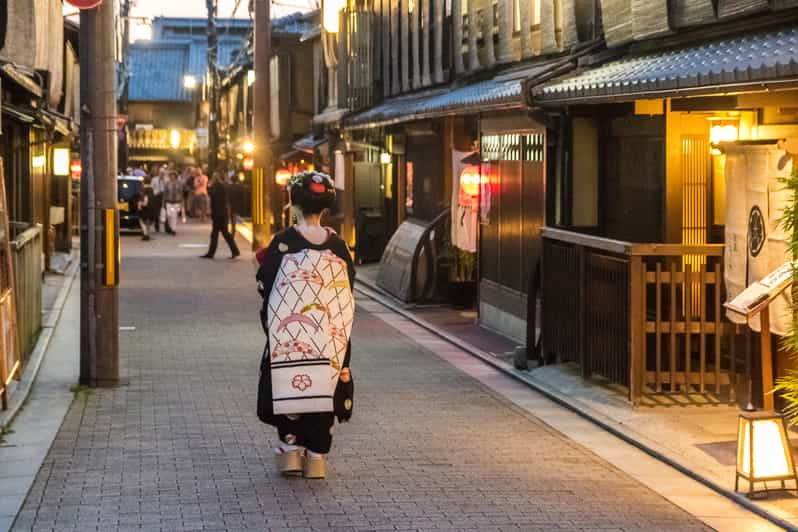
463 284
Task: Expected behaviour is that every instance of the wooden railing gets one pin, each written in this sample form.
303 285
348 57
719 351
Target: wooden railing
646 316
26 252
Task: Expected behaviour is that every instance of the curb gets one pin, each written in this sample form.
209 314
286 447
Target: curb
40 349
601 421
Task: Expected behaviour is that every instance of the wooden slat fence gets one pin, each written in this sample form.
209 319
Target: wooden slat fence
26 254
636 314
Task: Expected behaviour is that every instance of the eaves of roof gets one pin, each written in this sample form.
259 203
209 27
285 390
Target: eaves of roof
755 60
502 91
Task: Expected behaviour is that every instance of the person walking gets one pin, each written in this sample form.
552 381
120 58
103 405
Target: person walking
218 199
148 211
187 179
233 199
158 184
173 198
305 277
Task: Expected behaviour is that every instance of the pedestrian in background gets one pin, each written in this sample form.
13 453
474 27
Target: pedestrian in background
233 199
201 202
158 183
305 278
218 200
187 179
173 199
148 211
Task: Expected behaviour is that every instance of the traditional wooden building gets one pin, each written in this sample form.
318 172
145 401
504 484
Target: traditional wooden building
637 189
292 102
412 91
40 112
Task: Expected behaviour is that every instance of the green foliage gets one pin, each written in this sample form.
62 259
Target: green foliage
787 385
466 264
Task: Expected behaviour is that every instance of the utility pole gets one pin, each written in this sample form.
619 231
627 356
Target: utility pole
213 86
264 196
99 277
124 13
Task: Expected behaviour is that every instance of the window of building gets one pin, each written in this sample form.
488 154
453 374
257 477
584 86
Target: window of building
585 172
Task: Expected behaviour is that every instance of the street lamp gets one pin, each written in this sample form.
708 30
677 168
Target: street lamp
189 82
248 147
330 11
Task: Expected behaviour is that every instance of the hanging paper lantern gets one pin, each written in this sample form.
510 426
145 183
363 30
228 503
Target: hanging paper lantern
470 179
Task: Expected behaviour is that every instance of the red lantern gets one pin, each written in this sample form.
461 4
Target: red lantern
76 169
84 4
282 176
249 163
470 179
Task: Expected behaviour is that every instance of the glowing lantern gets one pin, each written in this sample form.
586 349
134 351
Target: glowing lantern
330 9
282 176
248 147
470 179
174 138
249 163
721 131
76 168
61 161
763 450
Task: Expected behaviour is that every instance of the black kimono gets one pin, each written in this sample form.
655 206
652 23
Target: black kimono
313 430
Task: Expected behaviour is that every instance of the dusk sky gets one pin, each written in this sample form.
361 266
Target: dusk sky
196 8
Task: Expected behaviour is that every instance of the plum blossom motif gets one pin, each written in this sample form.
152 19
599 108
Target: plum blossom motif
301 382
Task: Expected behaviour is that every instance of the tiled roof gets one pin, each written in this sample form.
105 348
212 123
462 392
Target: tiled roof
756 57
156 71
296 23
505 88
157 67
308 143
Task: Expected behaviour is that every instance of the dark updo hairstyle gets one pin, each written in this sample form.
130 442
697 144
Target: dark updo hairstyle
312 192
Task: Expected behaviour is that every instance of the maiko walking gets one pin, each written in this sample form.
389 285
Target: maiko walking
305 277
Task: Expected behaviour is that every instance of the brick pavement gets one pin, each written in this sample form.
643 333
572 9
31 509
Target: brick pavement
178 447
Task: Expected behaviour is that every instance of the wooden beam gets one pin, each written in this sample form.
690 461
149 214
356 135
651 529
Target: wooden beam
527 50
504 53
414 42
387 33
767 359
438 39
487 37
405 52
396 86
425 41
473 56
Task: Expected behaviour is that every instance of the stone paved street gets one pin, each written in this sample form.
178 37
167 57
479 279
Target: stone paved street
178 446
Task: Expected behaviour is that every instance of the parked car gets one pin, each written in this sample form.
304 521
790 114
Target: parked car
128 191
